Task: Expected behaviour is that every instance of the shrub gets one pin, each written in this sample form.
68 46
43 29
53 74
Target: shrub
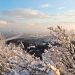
63 37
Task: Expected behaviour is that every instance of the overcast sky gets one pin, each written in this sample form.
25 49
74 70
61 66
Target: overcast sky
36 15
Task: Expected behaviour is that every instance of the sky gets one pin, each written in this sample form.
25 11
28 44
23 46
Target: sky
36 15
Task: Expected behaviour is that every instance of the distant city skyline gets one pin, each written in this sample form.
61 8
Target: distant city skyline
36 15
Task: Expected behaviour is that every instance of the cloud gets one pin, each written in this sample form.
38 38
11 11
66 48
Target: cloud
66 16
33 28
60 8
45 5
70 13
35 20
3 22
36 16
25 13
41 27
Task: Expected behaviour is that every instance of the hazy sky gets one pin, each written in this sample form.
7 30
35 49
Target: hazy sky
36 15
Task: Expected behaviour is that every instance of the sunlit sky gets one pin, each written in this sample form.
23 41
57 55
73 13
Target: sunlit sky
36 15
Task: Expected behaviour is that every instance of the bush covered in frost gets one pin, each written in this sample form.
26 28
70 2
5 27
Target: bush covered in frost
15 61
65 53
